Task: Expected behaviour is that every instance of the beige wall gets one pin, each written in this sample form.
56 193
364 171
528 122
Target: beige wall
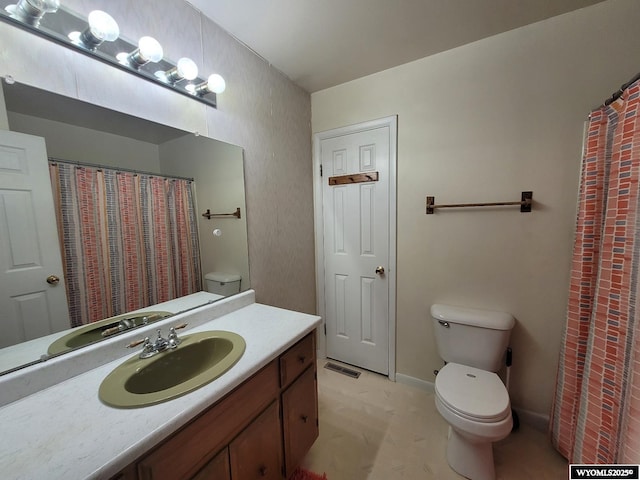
482 123
261 110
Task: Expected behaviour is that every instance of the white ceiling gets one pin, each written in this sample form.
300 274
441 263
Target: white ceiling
322 43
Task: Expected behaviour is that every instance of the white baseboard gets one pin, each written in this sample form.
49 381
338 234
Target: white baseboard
535 420
415 382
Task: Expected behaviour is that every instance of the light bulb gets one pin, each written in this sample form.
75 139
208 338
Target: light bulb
150 49
31 11
102 27
39 6
216 83
187 68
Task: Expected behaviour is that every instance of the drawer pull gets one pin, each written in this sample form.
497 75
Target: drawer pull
263 471
301 358
304 418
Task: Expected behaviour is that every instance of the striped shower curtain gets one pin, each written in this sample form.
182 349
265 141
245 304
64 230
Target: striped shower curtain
596 412
129 240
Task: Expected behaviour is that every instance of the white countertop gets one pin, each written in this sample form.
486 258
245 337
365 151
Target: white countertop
65 432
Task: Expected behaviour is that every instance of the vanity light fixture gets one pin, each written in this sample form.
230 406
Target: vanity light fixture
149 50
31 11
102 27
214 84
186 69
97 35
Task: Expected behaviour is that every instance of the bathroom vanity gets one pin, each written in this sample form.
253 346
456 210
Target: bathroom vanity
270 417
257 420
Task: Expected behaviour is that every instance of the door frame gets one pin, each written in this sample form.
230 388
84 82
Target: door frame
392 123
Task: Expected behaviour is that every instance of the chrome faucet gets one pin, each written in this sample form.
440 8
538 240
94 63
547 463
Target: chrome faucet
149 348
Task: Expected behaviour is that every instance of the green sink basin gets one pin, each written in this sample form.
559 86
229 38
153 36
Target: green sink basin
81 336
199 359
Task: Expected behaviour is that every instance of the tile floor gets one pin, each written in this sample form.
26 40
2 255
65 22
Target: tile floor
374 429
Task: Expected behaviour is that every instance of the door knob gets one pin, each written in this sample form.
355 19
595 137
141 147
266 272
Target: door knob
53 280
380 270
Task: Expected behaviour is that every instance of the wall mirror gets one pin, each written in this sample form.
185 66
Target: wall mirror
78 132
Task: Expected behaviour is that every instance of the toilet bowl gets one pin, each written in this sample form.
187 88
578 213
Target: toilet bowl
475 404
469 395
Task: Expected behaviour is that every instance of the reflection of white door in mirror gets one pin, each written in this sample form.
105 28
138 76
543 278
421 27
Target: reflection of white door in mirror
29 247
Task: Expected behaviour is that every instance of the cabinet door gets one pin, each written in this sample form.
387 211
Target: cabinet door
256 454
300 418
217 468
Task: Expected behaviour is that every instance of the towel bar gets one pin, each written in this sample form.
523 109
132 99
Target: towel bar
525 204
210 215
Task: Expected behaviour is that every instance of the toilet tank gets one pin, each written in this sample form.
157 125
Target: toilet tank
470 336
223 283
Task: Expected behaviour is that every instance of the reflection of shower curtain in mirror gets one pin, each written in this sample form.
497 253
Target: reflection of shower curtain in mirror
129 239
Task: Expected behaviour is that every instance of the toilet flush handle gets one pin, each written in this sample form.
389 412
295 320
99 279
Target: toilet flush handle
443 323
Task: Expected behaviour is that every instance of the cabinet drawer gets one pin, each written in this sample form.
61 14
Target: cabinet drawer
296 359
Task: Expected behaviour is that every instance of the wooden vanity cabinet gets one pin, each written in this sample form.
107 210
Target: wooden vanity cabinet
259 431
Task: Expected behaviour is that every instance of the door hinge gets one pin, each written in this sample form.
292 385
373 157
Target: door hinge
320 170
325 329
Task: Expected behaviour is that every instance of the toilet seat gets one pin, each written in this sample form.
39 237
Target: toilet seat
471 393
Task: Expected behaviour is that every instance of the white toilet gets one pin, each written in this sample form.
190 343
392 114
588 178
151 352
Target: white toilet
223 284
468 393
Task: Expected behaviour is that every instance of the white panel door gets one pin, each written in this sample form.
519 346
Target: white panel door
356 248
29 247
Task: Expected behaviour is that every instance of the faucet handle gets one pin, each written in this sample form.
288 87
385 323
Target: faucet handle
138 342
172 338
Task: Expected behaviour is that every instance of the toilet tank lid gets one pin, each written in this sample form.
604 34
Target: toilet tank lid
473 316
222 277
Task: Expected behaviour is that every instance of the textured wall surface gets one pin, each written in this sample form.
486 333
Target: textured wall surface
261 111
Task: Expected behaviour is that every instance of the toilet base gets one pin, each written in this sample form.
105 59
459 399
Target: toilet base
470 459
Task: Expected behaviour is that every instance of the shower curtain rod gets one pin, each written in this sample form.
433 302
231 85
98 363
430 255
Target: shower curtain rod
119 169
617 95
